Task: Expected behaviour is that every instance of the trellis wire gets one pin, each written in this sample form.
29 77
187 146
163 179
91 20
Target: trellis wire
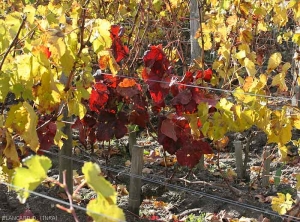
60 201
177 187
210 88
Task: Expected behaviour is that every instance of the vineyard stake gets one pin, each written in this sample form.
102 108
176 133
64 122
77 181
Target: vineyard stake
238 150
135 183
131 141
266 167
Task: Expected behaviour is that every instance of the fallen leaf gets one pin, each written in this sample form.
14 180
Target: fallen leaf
170 161
222 143
260 198
147 170
122 190
127 163
159 204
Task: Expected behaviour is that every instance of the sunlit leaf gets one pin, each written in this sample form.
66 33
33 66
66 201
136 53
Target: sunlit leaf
282 203
23 120
10 150
250 67
106 213
31 176
274 61
96 181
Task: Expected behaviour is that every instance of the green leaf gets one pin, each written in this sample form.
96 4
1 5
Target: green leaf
104 207
30 177
92 174
277 176
4 85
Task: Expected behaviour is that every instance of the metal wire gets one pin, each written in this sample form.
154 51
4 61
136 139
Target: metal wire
60 201
177 187
211 88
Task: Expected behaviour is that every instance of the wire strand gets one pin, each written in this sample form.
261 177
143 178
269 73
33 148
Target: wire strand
177 187
211 88
60 201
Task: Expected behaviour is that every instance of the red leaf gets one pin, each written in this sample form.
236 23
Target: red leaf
158 98
206 76
110 81
105 131
167 128
43 49
120 129
119 50
97 100
191 152
98 97
184 97
139 118
128 92
46 134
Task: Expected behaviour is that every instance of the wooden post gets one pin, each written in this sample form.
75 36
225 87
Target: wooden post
135 183
195 48
131 141
66 151
238 150
266 168
65 163
194 26
201 165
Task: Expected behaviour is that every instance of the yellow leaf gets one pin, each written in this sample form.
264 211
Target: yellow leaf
280 15
250 67
60 136
74 104
4 85
283 150
66 62
29 10
101 35
232 20
298 182
274 61
241 54
279 80
285 134
207 41
296 123
47 94
245 8
205 128
203 111
240 95
22 119
29 177
282 203
110 212
246 36
10 151
193 122
296 38
30 135
106 59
